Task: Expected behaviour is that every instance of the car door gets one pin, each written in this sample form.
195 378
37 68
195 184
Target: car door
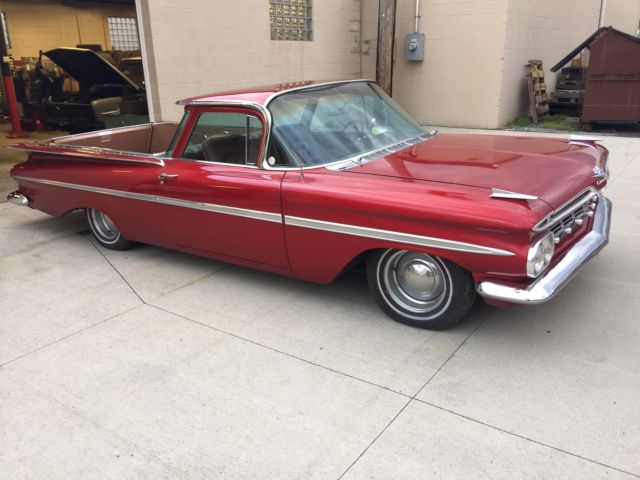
214 198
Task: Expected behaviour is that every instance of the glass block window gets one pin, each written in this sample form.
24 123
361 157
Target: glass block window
5 29
291 19
124 33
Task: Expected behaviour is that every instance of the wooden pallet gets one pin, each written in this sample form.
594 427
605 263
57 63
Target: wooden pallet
538 96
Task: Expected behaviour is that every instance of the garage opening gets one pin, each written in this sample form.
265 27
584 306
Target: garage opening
77 66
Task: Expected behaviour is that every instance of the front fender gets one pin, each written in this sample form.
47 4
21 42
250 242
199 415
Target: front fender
331 220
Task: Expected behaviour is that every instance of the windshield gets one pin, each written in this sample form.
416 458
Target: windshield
329 123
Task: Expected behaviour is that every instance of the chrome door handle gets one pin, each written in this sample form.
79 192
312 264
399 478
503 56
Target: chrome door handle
163 176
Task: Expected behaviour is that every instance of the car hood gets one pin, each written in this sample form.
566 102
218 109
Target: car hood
89 68
552 169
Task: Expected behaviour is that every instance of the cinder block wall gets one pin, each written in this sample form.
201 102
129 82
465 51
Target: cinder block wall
458 83
204 46
623 15
543 30
38 25
369 37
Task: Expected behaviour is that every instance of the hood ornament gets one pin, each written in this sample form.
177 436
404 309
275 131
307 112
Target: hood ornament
498 193
600 173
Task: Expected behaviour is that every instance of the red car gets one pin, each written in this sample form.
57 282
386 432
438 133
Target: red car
310 179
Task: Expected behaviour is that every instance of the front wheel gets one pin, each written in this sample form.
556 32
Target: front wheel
105 231
418 289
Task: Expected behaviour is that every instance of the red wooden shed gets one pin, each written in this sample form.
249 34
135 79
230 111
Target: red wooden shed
612 91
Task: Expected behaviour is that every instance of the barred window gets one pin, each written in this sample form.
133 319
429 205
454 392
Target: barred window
124 33
290 19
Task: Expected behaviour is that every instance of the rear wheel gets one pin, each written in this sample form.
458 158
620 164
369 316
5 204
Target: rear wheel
105 231
418 289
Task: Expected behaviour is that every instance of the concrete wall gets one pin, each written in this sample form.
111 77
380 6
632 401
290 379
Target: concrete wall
38 25
623 15
203 46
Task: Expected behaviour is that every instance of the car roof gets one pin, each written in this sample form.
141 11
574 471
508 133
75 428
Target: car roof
260 95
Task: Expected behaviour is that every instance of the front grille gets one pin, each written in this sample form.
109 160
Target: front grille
564 220
568 221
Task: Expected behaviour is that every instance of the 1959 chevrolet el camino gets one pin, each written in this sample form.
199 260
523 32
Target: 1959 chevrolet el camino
310 179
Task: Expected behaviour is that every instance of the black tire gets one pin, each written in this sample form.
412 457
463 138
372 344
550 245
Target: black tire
105 231
420 290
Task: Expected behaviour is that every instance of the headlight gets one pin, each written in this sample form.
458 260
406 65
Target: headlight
540 255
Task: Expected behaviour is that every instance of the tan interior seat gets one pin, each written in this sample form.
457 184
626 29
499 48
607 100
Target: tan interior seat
229 149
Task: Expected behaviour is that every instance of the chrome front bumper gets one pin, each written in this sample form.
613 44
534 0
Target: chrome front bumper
18 199
546 286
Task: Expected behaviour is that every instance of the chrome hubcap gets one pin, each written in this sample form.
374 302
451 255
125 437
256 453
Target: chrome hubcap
103 226
419 278
416 282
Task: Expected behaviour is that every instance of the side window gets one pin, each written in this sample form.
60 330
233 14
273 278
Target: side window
225 137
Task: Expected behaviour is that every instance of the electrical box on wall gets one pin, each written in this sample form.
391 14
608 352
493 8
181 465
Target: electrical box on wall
414 47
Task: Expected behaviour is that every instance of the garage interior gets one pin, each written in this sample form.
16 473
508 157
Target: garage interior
80 72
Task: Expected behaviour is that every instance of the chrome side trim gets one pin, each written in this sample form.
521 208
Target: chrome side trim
223 209
210 207
498 193
552 282
209 162
18 199
87 188
78 150
407 238
220 103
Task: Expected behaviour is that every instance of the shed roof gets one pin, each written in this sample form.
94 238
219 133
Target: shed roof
595 35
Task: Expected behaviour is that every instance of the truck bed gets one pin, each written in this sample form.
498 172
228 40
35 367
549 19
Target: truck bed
148 139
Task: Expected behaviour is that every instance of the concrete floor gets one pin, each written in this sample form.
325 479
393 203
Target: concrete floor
152 364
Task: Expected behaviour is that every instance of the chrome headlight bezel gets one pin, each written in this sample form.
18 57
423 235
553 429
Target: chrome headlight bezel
540 255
